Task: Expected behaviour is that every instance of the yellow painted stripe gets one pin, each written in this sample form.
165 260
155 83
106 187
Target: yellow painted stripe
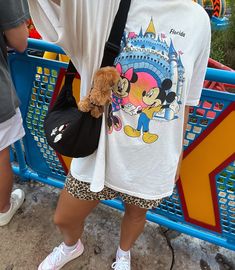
197 165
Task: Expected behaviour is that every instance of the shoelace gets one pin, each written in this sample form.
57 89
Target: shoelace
121 264
56 255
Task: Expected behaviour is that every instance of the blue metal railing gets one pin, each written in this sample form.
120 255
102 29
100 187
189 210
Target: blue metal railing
35 79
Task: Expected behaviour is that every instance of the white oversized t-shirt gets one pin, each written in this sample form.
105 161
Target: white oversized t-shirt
162 63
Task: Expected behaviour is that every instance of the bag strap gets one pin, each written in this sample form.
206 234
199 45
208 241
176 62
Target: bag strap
112 46
70 74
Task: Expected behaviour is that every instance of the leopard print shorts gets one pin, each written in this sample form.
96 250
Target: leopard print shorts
81 190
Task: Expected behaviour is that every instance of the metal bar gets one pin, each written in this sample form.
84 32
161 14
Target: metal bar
219 75
20 157
221 96
28 174
44 46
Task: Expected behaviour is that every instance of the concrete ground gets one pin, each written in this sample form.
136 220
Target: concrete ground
31 236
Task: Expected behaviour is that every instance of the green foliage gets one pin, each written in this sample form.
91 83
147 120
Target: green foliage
223 42
217 46
230 39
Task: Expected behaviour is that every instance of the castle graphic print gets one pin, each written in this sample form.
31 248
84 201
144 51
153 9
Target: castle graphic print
151 83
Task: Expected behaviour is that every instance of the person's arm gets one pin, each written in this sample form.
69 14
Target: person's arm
14 14
16 37
186 115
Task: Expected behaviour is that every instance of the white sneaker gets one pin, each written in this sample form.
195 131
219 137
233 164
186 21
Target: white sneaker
58 258
17 199
122 263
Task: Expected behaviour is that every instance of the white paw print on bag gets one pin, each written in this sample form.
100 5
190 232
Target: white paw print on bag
58 133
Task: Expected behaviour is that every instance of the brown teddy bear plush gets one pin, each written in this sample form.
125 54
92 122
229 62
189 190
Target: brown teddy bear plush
101 92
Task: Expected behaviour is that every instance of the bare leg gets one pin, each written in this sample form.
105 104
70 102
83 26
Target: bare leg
132 225
6 180
70 216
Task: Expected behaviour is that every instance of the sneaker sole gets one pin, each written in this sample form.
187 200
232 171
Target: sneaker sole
71 259
5 222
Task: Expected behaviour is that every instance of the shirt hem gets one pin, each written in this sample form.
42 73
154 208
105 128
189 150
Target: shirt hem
138 195
13 140
192 103
8 116
82 178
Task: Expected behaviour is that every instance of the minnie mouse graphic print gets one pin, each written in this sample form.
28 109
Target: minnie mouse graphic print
162 64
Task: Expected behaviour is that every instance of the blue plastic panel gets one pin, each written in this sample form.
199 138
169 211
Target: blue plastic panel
35 79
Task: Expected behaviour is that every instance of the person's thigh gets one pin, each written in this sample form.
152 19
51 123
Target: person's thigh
70 209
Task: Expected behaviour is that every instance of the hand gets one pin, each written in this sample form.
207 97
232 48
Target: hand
131 109
137 110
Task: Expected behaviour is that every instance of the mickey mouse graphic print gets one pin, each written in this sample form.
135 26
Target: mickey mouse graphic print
151 85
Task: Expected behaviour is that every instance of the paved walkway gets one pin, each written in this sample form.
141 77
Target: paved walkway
31 235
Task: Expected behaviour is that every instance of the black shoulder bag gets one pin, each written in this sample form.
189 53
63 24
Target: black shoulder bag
68 130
